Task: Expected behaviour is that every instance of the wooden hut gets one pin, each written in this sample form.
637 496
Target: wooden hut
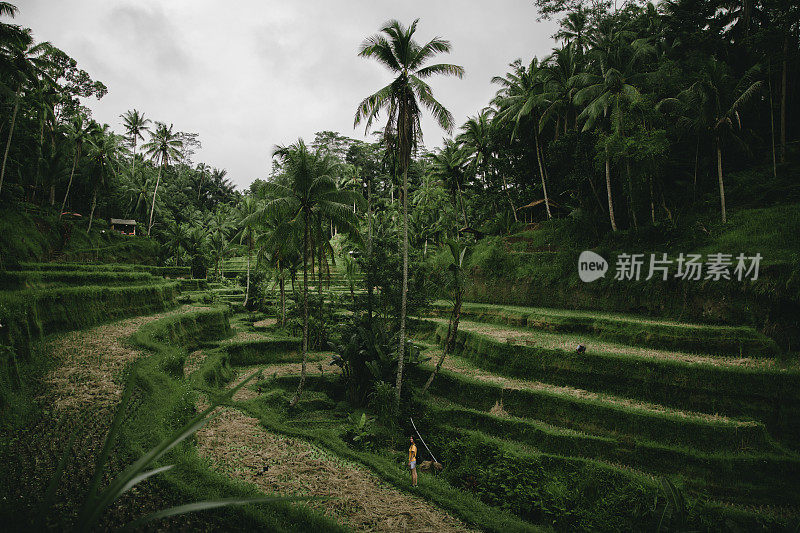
124 226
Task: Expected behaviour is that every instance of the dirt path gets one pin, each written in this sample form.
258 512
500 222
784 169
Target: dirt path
240 447
568 342
80 394
89 361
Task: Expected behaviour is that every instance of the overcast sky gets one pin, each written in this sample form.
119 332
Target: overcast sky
247 75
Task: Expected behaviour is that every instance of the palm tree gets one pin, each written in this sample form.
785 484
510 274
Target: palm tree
519 99
447 165
609 91
78 130
138 189
44 99
176 238
135 124
163 147
21 60
202 168
558 74
311 192
247 215
476 137
397 50
574 29
277 243
219 227
104 147
719 97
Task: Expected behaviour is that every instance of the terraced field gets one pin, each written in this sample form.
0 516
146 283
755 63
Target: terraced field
531 434
595 452
720 422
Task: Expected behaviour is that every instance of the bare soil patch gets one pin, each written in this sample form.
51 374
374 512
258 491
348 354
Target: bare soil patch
89 361
240 447
267 322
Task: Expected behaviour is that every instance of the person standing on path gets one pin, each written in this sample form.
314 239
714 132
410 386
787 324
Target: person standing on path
412 462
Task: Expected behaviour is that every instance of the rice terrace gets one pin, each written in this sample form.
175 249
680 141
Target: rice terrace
417 266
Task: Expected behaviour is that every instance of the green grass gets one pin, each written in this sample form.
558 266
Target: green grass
27 279
602 417
168 271
28 315
515 271
767 477
632 330
770 395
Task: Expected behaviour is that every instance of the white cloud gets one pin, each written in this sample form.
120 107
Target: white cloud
247 75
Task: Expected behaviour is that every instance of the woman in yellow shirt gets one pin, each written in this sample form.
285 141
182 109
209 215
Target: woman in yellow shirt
412 462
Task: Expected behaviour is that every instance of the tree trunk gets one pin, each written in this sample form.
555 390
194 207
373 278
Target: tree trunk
153 207
772 121
319 292
594 191
299 391
247 287
452 329
368 273
632 205
510 202
696 159
608 191
402 350
52 195
461 200
91 213
785 67
133 163
10 135
282 282
721 184
541 173
69 184
39 153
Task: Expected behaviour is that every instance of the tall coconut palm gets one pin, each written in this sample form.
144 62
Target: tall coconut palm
559 90
135 124
247 215
138 189
21 60
78 130
447 164
396 49
609 88
574 29
719 98
164 146
219 229
520 99
311 193
277 244
103 151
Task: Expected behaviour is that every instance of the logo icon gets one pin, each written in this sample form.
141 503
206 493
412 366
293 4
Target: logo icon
591 266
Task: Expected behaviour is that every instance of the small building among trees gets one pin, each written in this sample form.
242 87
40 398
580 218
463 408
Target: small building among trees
124 226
